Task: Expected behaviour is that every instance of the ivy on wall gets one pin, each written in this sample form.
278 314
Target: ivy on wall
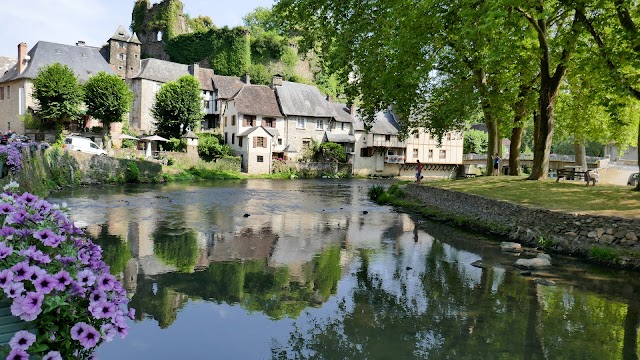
138 14
227 50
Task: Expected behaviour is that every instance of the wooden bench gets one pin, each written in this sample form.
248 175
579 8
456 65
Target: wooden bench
571 174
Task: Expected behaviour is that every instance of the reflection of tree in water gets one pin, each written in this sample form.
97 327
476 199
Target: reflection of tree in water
176 246
157 302
115 251
460 316
250 283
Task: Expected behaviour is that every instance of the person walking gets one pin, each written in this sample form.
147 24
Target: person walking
419 173
496 165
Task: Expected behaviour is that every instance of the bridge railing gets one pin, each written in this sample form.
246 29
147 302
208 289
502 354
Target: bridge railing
552 157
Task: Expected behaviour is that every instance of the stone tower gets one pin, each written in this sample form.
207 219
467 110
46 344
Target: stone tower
123 53
157 23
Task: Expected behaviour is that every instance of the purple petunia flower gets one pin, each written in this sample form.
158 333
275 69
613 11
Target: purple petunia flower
97 296
52 355
14 290
36 272
45 283
5 250
21 271
18 354
31 305
7 231
89 337
6 208
132 313
102 309
108 331
86 278
62 280
6 277
27 198
106 282
24 233
17 217
77 330
22 340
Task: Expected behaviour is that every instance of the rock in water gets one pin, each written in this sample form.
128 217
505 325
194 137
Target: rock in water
510 246
538 263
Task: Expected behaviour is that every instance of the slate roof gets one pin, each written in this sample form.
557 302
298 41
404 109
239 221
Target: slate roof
83 60
384 124
164 71
134 39
257 100
302 100
121 34
339 138
342 112
204 76
250 130
227 86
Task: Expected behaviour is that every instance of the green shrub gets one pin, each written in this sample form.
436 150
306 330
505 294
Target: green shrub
603 254
210 146
375 191
132 173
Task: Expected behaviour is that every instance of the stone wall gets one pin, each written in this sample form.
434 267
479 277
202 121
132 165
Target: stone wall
561 232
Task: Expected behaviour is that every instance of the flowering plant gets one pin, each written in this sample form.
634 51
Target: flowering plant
55 279
11 155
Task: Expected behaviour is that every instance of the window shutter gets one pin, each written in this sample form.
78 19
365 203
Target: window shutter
255 142
264 142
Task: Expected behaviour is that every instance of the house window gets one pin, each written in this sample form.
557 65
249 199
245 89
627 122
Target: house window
443 154
449 137
119 67
387 138
341 126
8 92
233 120
225 121
300 124
417 135
415 153
430 153
366 152
260 158
206 104
240 141
233 138
279 141
120 44
269 122
226 136
122 57
319 124
259 141
390 152
249 120
306 143
1 92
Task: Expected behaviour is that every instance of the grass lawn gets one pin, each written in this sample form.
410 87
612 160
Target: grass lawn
567 196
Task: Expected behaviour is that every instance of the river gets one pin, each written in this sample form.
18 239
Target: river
311 269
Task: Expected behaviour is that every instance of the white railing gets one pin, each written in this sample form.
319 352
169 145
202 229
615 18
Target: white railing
552 157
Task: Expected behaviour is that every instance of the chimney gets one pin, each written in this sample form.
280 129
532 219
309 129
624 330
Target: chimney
194 69
276 80
352 109
22 57
247 79
80 43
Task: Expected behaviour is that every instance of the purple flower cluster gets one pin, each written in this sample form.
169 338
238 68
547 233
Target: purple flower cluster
12 156
55 278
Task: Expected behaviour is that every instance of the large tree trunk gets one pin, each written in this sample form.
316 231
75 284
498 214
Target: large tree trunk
520 110
581 154
493 144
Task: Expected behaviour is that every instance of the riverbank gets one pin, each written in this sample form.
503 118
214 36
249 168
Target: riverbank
604 239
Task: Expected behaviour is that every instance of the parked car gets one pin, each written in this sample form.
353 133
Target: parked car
79 143
6 136
633 179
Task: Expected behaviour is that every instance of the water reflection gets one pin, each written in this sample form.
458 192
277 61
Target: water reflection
316 271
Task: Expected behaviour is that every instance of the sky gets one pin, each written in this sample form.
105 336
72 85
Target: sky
94 21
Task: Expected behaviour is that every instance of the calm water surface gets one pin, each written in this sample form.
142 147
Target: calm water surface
264 269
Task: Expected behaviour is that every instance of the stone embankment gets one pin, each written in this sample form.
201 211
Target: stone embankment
561 232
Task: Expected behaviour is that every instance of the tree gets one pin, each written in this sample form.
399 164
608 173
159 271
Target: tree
260 19
178 103
107 98
58 93
475 141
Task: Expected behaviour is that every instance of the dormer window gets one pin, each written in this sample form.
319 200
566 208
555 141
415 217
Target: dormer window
120 44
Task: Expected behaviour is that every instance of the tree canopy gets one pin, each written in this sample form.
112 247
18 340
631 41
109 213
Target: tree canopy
58 93
178 103
107 98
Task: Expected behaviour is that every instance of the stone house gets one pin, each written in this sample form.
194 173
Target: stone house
307 116
16 84
153 74
253 125
224 88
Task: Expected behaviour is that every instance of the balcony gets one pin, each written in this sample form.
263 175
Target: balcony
394 159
